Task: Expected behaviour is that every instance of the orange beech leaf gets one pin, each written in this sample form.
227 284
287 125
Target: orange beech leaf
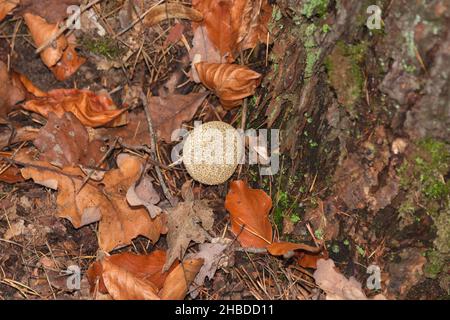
309 260
105 202
124 285
234 25
6 6
115 275
178 281
30 87
171 10
93 110
41 31
11 175
230 82
249 210
68 65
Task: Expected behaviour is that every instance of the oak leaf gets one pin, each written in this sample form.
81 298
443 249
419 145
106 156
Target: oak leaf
93 110
118 222
230 82
249 212
188 221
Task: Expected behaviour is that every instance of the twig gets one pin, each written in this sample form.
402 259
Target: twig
153 151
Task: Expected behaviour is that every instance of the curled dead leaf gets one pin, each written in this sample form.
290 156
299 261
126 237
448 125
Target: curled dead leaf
41 31
230 82
306 255
249 212
93 110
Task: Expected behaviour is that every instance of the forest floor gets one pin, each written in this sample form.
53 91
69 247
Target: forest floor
364 173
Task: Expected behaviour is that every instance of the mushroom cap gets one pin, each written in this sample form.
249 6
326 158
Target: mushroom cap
212 151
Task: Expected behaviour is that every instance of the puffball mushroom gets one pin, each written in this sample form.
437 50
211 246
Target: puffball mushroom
212 151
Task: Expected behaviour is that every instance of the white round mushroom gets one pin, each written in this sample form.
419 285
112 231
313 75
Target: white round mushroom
212 151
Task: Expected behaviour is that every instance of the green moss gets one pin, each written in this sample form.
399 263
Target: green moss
345 75
315 7
103 46
435 264
422 177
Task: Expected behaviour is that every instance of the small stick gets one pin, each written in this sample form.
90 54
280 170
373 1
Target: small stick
153 151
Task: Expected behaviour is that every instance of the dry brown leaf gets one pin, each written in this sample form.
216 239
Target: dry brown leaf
119 223
187 222
249 210
68 65
11 91
213 257
203 51
11 175
235 25
178 281
6 6
169 113
144 194
337 286
127 276
65 142
171 10
93 110
41 31
19 134
53 11
230 82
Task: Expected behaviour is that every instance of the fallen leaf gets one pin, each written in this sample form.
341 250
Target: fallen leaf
6 6
63 141
15 229
337 286
178 281
17 135
214 257
119 223
41 31
169 113
53 11
144 194
11 175
187 222
171 10
234 25
203 51
68 65
125 268
230 82
11 91
249 210
93 110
